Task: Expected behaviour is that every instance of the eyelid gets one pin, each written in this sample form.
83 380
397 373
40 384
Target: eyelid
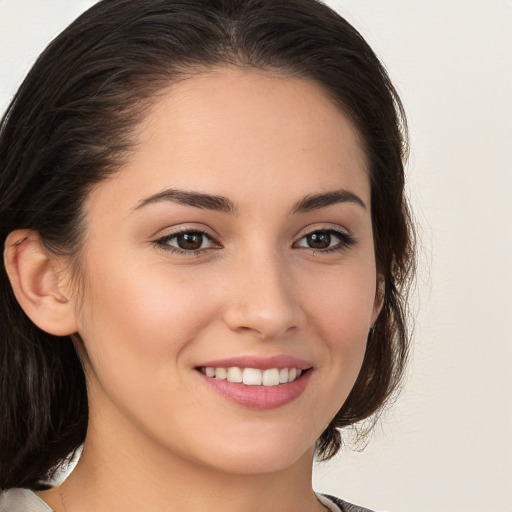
183 227
324 227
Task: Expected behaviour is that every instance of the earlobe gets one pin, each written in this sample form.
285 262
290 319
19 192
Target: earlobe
37 284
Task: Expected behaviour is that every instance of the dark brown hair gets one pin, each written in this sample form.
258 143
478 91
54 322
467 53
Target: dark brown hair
69 127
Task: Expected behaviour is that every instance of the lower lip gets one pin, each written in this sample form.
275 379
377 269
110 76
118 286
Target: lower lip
259 397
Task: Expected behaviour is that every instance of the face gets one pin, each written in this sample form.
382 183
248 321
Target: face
236 244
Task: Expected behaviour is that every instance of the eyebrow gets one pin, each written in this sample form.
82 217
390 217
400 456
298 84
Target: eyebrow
317 201
224 205
195 199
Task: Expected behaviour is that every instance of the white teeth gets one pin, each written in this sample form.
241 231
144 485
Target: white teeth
253 376
234 374
221 373
270 377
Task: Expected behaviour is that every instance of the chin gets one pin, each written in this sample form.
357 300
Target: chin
258 455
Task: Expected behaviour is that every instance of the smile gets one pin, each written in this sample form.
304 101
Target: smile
253 376
257 388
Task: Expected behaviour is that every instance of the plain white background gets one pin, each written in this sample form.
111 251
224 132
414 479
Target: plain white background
446 444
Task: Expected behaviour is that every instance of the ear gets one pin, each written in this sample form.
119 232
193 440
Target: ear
37 284
379 298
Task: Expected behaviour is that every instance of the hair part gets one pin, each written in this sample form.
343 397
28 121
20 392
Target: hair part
71 125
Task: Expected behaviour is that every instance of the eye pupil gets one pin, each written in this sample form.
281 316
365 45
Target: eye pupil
319 240
190 241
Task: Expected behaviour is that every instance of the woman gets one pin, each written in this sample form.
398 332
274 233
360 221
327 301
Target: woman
207 250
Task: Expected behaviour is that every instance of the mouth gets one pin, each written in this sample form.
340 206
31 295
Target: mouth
257 388
253 376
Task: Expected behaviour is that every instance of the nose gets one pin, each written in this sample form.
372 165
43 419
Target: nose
262 300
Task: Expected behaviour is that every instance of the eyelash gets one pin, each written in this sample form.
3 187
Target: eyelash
346 241
163 242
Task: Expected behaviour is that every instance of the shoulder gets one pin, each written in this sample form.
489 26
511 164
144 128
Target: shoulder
343 506
21 500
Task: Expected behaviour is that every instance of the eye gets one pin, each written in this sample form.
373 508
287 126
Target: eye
191 241
326 240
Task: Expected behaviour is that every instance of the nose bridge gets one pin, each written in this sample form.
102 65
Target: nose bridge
262 298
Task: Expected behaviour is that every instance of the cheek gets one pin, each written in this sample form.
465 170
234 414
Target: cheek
137 326
340 307
139 318
341 303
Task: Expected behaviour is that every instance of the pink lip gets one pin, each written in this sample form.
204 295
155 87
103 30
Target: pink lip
261 363
258 397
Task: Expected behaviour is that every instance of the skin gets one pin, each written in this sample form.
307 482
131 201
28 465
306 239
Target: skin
159 438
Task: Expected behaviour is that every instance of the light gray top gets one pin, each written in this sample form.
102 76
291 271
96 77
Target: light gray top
24 500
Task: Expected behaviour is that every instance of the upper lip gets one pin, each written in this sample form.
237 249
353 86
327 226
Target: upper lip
259 362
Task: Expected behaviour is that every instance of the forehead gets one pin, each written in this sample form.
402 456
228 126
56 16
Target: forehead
243 132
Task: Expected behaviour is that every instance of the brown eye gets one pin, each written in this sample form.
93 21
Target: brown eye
186 242
189 241
326 240
319 240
